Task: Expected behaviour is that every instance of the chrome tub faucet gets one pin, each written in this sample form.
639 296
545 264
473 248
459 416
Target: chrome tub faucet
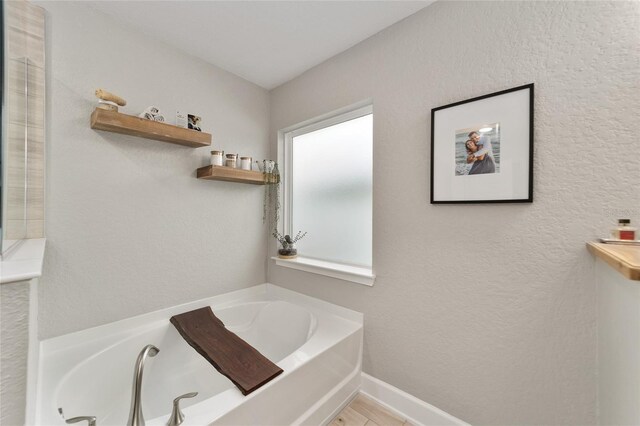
135 414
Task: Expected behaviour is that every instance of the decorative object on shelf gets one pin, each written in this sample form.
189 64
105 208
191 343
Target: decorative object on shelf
624 230
271 203
288 250
482 149
194 122
267 166
231 160
245 163
109 101
152 113
181 120
125 124
216 158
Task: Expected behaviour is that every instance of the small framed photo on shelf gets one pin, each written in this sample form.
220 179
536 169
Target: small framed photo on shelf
482 149
194 122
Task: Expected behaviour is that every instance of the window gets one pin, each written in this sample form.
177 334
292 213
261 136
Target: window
327 175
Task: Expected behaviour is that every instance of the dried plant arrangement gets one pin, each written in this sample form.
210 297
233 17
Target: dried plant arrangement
271 210
288 250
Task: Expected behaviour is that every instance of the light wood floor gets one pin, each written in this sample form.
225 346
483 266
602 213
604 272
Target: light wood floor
363 411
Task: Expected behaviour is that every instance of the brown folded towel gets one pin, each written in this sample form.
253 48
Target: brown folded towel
247 368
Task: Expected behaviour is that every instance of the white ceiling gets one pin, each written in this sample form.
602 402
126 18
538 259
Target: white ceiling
265 42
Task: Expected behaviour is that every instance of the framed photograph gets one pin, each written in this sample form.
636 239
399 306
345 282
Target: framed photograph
482 149
194 122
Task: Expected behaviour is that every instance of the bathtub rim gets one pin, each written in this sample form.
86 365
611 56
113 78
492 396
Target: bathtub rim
141 322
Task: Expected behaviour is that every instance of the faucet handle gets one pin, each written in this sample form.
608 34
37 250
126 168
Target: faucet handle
90 419
177 417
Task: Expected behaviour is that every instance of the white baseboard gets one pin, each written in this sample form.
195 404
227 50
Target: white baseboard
408 406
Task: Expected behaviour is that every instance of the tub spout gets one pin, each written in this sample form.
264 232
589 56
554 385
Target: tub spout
135 414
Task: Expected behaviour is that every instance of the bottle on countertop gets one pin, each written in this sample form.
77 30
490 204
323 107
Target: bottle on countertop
624 230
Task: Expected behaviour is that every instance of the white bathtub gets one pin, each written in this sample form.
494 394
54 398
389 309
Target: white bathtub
317 344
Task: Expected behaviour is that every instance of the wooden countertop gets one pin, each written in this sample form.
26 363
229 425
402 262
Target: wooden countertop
623 258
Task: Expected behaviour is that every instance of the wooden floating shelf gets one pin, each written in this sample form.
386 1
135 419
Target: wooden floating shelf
234 175
125 124
623 258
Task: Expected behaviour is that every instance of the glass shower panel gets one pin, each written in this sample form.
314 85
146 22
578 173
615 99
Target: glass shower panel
332 192
15 150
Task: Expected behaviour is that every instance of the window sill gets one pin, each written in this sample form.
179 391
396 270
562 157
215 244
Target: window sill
354 274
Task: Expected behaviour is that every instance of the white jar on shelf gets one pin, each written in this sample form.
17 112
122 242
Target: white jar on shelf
231 160
217 158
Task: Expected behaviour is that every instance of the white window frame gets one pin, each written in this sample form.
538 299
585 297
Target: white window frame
357 274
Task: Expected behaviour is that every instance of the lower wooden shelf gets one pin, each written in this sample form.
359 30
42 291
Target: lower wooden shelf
234 175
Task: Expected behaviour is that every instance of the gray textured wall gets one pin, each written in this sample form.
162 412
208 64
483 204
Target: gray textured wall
129 227
14 344
487 311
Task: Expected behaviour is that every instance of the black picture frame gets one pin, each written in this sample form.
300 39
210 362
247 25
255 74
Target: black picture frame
509 117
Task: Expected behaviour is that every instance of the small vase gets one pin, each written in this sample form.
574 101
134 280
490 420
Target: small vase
288 253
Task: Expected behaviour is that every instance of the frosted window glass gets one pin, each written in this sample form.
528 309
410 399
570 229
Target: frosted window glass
331 192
